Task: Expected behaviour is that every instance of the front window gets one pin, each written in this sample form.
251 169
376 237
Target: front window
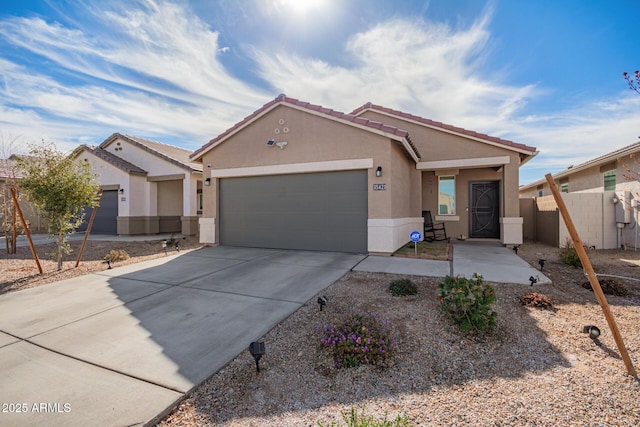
200 201
610 181
447 195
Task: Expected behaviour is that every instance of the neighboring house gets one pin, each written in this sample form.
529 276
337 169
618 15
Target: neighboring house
601 195
148 187
9 174
295 175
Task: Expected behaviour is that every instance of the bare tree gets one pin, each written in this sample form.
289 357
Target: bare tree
633 80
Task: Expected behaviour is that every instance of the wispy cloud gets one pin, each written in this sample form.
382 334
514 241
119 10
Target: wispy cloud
153 68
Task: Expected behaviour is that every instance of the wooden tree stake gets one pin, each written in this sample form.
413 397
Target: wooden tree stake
591 275
26 229
86 234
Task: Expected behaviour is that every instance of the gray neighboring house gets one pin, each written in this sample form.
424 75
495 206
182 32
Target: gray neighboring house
602 195
148 187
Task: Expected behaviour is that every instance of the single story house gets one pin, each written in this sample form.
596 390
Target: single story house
601 195
300 176
148 187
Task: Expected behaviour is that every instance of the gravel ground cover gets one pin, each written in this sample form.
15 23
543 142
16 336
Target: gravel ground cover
536 369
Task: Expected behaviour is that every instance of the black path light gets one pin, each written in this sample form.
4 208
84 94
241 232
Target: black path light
533 280
109 264
322 301
257 350
515 248
541 261
593 331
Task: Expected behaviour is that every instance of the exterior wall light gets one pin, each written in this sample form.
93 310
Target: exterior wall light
207 182
121 191
379 171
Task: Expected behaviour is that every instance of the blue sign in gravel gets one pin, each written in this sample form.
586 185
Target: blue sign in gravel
415 236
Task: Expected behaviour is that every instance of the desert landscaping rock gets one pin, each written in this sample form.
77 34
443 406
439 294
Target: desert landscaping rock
538 368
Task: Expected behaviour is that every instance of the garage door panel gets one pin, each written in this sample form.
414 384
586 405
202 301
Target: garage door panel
105 221
319 211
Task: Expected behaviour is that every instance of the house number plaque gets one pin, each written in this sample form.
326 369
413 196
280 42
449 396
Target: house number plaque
379 187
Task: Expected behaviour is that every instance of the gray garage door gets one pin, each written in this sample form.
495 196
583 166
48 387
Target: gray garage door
317 211
106 216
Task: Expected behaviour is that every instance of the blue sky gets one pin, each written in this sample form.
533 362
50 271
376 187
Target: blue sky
545 73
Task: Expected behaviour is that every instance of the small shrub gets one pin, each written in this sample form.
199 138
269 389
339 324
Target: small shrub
116 255
533 299
468 303
403 287
355 419
610 287
568 254
361 338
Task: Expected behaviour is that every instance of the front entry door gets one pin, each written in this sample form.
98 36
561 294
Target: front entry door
485 209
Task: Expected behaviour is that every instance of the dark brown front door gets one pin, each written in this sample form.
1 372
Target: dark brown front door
485 209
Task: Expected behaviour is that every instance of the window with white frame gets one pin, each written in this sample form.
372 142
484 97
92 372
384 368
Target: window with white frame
447 195
609 180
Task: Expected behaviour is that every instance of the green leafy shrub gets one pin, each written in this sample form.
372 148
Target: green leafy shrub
116 255
569 255
403 287
534 299
361 338
355 419
468 302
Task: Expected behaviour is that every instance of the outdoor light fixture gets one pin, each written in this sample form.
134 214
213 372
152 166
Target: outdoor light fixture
207 182
593 331
257 350
515 249
164 246
271 142
322 301
541 262
379 171
109 264
121 191
533 280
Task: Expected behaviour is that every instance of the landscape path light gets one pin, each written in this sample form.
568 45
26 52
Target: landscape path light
322 301
257 350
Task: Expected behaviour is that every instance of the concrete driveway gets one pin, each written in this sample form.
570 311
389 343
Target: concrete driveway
116 348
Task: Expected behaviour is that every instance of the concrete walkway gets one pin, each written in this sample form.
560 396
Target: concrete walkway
118 347
493 261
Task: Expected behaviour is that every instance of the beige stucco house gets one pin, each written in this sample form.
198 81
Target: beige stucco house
601 195
148 187
300 176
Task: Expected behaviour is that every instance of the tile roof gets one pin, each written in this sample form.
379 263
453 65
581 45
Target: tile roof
176 155
111 159
431 123
400 134
600 160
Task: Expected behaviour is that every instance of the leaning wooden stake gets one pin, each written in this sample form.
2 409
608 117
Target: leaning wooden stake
591 275
86 234
26 229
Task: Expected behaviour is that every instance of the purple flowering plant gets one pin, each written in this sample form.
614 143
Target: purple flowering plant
360 338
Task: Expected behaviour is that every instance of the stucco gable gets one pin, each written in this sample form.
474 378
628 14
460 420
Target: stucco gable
110 158
172 154
465 133
394 133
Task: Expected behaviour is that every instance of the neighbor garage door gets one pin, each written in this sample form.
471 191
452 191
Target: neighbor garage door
316 211
106 220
